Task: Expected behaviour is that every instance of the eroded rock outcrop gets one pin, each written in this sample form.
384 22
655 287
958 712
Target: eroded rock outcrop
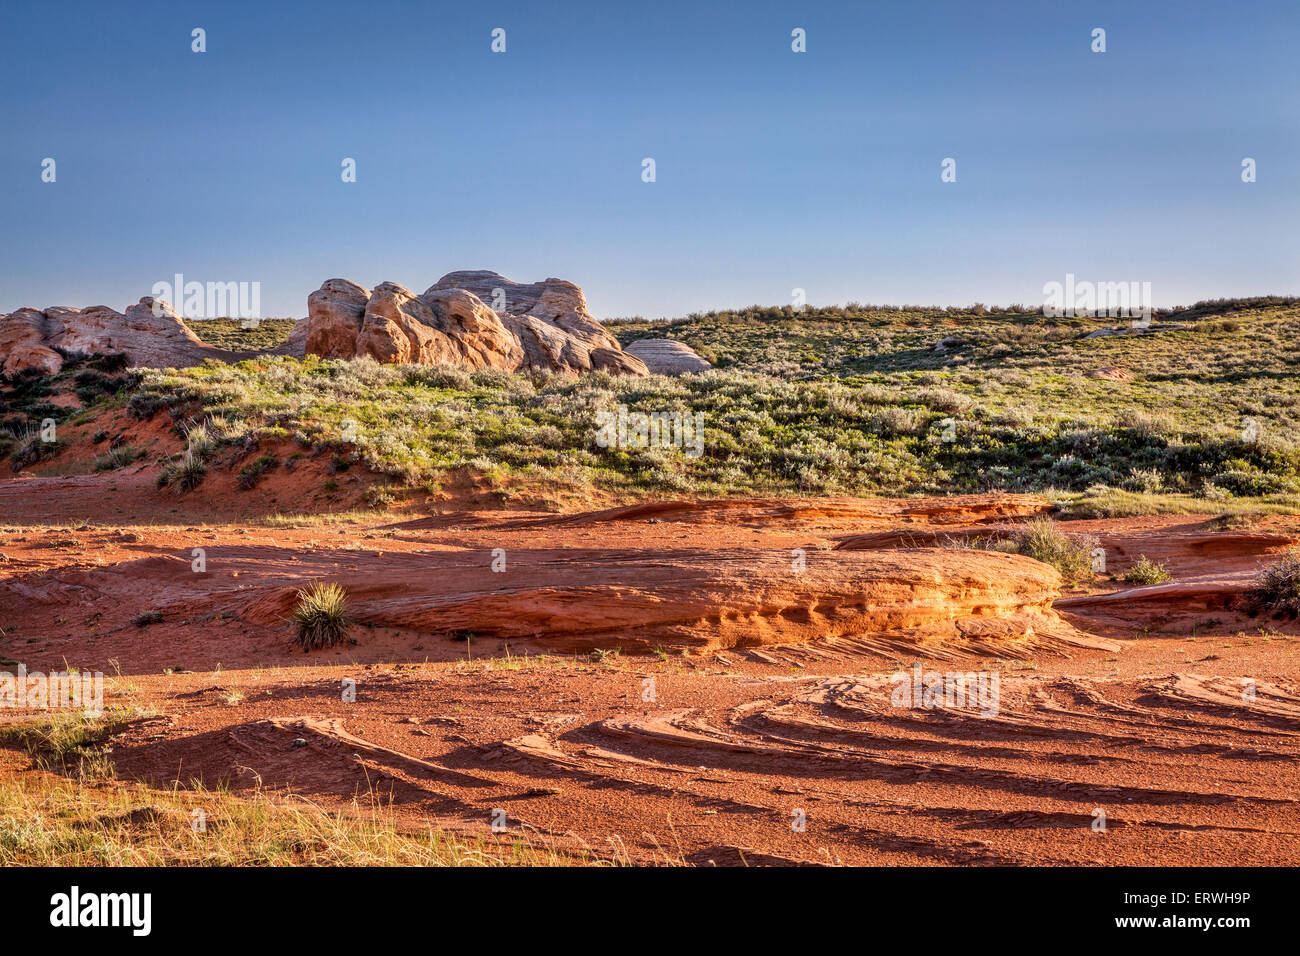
668 356
538 326
149 333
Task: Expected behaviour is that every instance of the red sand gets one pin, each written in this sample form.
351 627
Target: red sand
749 688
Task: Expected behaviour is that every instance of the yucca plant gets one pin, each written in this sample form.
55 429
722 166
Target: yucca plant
320 617
199 440
184 474
118 457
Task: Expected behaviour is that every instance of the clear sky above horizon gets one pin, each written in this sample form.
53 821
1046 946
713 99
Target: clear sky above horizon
775 170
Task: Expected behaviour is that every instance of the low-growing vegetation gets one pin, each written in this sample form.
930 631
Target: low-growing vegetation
1044 540
1146 571
859 400
184 473
67 741
115 458
50 821
252 473
238 335
1277 586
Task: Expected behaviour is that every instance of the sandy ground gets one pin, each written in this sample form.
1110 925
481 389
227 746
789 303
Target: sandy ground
751 715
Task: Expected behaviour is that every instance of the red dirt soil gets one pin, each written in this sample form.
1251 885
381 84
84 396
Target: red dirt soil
759 639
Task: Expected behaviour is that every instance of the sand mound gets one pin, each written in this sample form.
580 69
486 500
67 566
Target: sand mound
787 706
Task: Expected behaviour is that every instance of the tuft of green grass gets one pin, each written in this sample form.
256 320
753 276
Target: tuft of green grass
320 616
68 741
115 458
200 442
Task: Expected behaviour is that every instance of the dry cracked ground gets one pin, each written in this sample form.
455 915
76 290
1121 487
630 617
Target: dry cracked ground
701 682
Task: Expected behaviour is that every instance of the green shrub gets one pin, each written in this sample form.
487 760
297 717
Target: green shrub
896 421
1146 571
1212 492
252 473
1145 480
1043 540
943 400
144 405
184 474
379 496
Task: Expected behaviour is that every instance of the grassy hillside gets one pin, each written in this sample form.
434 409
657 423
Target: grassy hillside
858 401
231 334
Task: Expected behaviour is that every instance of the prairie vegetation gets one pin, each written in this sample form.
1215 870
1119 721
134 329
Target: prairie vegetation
847 401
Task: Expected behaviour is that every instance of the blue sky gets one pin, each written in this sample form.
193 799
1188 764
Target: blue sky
775 170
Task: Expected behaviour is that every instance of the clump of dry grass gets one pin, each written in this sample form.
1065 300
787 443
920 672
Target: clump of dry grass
68 741
49 821
1044 540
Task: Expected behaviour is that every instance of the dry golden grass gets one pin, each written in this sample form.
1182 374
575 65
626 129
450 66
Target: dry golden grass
67 809
48 820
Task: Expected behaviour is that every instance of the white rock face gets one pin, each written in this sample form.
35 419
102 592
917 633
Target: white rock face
150 333
539 326
667 356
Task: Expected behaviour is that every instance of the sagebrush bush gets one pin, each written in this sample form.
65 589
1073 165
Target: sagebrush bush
1145 424
1146 571
942 400
809 401
1277 586
1145 480
897 422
